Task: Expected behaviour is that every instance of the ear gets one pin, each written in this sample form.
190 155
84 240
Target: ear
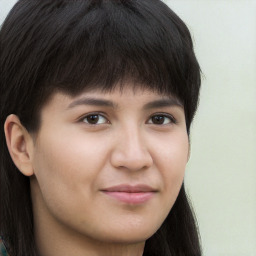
20 144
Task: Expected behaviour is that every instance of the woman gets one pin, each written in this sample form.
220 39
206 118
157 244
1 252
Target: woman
97 99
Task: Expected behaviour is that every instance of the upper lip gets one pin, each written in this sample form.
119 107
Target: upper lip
130 188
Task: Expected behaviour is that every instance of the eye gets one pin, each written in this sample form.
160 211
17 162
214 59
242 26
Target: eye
95 119
161 119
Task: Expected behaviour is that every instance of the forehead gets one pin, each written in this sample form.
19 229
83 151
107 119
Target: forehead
115 97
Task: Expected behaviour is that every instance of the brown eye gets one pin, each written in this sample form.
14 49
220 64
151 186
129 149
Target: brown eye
158 119
161 119
94 119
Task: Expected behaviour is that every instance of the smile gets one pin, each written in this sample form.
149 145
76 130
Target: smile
130 194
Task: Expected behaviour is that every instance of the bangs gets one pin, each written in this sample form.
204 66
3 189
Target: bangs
115 43
79 45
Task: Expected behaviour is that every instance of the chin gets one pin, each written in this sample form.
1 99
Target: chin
130 235
128 238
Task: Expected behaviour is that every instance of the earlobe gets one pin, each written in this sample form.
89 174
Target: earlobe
20 144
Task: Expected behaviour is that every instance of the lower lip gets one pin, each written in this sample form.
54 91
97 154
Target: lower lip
131 198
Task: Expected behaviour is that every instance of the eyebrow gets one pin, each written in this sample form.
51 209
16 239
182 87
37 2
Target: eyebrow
168 102
92 102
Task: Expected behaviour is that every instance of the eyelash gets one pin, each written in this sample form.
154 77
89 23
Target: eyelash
93 114
100 115
170 117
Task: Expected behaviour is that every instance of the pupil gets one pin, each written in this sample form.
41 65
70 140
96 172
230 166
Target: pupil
93 119
158 119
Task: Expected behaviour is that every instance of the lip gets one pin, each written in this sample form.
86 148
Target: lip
130 194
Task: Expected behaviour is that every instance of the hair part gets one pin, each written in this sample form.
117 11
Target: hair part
72 46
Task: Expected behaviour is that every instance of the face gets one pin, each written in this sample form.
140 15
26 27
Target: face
109 166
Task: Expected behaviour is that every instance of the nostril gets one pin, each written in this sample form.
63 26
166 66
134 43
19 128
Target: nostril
133 160
131 152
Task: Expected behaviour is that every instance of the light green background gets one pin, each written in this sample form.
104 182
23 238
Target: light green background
221 173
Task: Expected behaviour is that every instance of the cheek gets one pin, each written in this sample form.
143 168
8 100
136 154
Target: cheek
67 167
68 155
172 158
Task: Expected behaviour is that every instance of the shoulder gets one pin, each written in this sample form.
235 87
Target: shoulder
3 251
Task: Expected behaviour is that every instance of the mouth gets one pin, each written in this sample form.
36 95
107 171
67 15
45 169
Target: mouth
128 194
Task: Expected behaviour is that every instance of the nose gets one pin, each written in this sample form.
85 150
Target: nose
131 151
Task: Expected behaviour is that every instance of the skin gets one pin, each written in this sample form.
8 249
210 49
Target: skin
70 162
